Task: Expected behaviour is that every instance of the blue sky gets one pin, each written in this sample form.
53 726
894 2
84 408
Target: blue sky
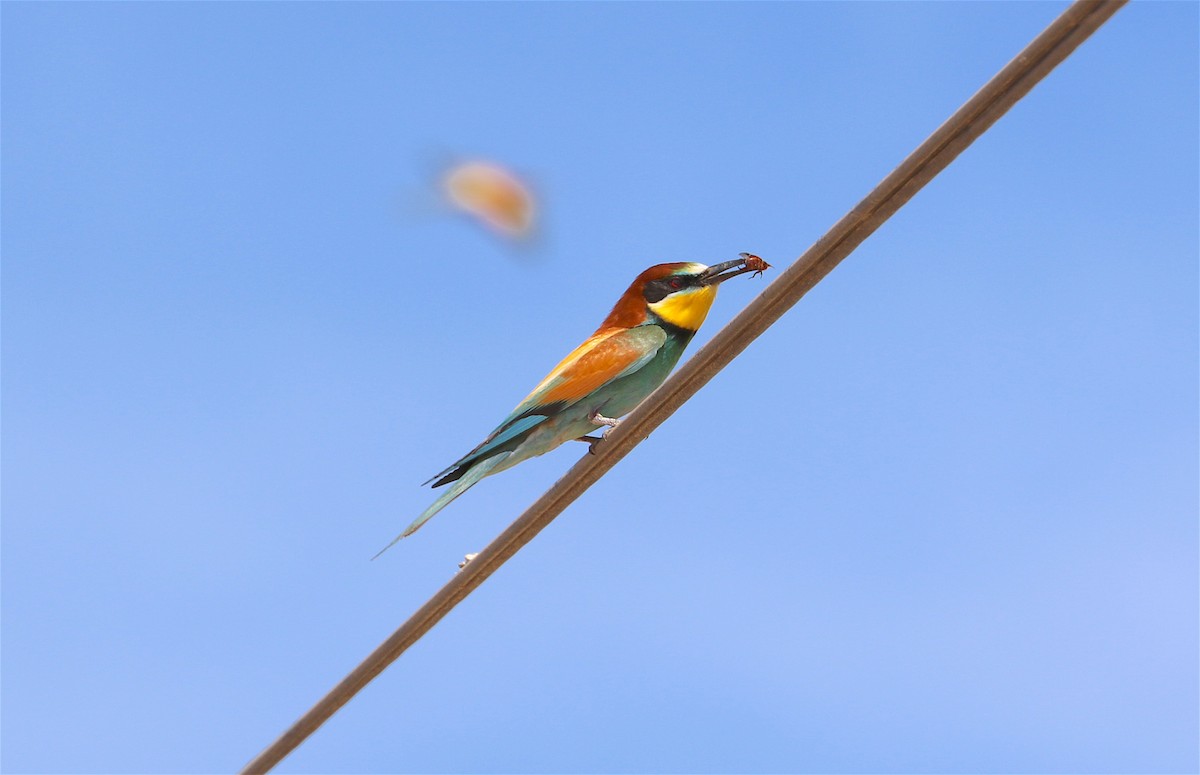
942 517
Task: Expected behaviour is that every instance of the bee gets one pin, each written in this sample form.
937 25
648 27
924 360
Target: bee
754 263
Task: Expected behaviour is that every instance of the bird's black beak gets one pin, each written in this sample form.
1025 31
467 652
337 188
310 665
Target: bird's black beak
719 273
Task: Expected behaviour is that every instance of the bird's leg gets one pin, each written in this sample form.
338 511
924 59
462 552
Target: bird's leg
600 419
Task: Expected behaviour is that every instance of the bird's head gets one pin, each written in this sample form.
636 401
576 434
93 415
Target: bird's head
679 294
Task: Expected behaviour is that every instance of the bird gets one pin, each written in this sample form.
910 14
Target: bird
630 355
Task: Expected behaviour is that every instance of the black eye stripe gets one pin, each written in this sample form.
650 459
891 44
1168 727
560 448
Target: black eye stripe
657 290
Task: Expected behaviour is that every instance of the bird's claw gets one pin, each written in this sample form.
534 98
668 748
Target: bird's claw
598 419
591 441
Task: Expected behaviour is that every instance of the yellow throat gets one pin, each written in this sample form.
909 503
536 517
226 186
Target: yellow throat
686 309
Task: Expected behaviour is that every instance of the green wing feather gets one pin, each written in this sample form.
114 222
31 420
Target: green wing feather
603 358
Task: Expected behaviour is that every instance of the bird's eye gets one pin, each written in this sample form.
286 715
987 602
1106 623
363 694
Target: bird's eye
676 283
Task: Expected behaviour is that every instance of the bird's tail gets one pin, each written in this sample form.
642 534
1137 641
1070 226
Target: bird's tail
470 477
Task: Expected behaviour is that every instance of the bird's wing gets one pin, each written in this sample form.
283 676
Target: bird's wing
604 357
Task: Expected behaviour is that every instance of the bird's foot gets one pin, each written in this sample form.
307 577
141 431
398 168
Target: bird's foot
600 419
467 560
591 441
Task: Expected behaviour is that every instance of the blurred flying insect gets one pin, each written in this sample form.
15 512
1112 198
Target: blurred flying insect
491 195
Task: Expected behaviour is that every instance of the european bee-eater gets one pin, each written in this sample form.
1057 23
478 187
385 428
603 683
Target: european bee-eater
629 356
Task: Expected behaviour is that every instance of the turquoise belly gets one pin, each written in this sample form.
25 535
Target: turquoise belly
612 400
